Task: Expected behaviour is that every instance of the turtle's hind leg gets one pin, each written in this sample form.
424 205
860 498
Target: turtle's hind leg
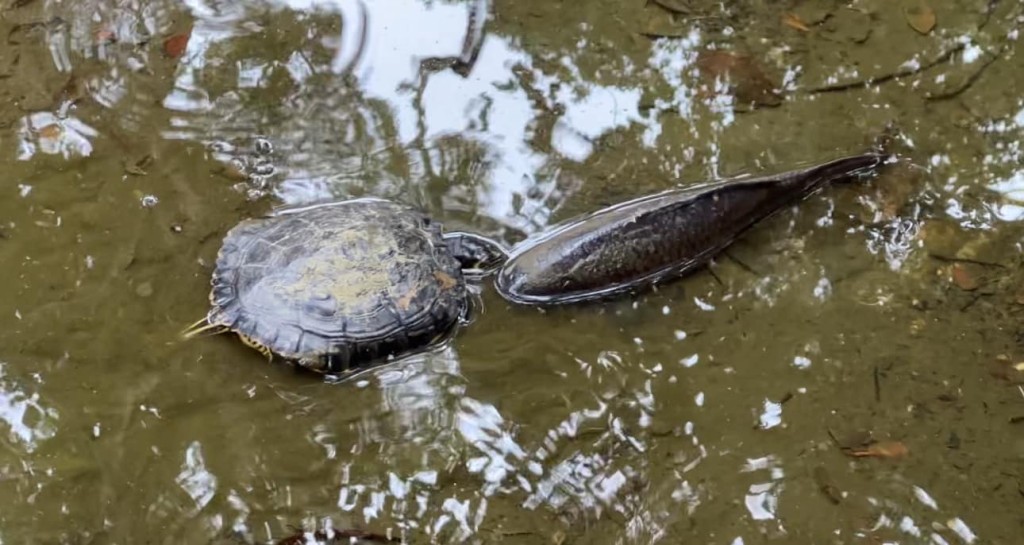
256 345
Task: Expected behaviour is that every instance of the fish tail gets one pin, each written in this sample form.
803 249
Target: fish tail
846 168
879 153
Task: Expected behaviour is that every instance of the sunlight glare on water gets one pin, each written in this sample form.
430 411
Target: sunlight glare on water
424 113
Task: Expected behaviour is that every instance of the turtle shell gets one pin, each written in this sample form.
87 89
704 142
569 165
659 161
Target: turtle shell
337 286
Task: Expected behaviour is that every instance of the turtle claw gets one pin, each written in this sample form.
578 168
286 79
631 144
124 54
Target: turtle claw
200 326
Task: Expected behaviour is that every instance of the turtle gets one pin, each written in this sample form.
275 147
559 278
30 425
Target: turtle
338 286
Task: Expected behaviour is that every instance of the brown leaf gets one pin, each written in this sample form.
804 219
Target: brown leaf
749 83
175 45
883 449
50 132
963 278
793 20
920 17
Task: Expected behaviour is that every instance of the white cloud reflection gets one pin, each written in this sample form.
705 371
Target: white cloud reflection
29 421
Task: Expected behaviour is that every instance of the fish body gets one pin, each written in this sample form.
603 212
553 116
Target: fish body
659 237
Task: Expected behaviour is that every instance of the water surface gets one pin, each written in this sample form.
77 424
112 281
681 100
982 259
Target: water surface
721 409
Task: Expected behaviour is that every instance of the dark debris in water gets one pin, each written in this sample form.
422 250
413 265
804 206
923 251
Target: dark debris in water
861 444
826 485
138 168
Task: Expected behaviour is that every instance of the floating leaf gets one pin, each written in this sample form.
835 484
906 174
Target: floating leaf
793 20
175 45
920 17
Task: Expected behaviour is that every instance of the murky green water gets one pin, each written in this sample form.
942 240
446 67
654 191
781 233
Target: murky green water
134 134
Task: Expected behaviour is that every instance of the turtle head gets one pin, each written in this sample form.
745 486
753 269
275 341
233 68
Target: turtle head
476 254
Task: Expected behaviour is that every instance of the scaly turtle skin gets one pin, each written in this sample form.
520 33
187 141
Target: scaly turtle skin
337 286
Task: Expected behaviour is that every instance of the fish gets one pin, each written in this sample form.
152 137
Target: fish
634 245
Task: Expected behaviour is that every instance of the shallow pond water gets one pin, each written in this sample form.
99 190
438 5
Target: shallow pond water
848 373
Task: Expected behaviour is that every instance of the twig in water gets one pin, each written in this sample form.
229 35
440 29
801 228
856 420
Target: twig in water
740 262
949 259
713 274
878 384
970 80
973 300
906 72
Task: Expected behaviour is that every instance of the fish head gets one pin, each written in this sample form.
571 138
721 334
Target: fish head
520 280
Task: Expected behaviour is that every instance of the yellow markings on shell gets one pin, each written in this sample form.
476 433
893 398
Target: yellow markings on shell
405 301
334 276
446 280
